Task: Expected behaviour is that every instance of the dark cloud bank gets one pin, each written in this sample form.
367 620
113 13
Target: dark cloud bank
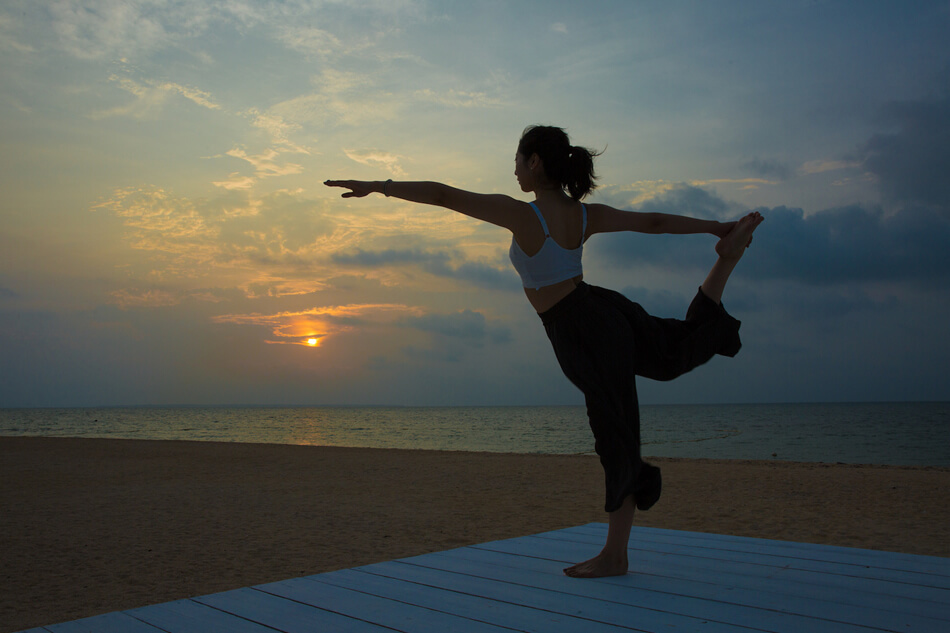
906 238
439 263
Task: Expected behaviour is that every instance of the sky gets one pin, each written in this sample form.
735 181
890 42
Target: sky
166 239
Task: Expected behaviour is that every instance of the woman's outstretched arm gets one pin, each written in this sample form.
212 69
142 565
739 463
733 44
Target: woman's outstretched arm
606 219
497 209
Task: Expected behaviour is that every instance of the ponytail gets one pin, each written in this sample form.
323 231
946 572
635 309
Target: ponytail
570 166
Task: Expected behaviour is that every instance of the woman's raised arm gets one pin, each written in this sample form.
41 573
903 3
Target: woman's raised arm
497 209
606 219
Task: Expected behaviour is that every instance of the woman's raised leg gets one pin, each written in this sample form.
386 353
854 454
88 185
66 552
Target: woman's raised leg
730 250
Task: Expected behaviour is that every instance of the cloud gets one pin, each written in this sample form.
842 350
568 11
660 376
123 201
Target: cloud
559 27
151 95
664 196
310 40
265 166
768 168
912 163
466 325
172 228
135 298
458 98
439 263
746 183
95 29
340 97
377 158
278 129
387 257
236 181
850 244
8 40
320 323
271 246
7 293
825 165
691 200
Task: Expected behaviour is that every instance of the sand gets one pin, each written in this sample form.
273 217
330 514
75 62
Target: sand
91 526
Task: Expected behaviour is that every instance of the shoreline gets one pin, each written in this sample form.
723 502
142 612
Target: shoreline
590 453
97 525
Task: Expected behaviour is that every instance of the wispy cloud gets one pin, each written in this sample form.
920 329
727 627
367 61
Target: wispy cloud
768 168
276 245
150 95
264 164
8 38
821 166
458 98
312 327
278 129
450 265
744 183
236 181
310 40
339 97
377 158
466 325
180 237
134 298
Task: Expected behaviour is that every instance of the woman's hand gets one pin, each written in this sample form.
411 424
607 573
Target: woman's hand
357 188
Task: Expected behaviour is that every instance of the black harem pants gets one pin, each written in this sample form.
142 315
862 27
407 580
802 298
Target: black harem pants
603 341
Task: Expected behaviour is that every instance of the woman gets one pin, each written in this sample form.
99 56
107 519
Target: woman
601 339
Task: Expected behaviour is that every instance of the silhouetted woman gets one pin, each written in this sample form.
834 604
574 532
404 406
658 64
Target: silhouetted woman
602 340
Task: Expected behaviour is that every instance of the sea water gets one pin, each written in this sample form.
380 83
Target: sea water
878 433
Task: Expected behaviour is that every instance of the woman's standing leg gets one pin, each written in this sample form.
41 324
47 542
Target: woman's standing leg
594 346
612 560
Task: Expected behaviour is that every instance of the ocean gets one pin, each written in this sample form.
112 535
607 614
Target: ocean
916 434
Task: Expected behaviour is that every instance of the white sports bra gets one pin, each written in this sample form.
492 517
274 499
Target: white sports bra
551 264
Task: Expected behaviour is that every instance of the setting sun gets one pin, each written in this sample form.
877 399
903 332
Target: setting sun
311 341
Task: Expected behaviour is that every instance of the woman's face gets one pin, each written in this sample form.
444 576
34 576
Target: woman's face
523 172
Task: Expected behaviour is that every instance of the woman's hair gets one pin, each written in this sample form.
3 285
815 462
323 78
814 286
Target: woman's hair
572 167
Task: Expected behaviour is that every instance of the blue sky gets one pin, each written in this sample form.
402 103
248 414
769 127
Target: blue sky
166 238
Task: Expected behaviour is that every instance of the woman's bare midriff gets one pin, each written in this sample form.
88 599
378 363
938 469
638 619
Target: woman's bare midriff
543 299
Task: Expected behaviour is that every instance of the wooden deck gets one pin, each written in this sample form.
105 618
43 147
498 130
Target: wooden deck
680 581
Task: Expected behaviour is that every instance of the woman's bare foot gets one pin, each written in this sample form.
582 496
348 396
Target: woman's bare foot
734 244
599 566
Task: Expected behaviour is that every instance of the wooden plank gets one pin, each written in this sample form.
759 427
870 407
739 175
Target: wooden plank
765 593
188 616
666 575
283 614
116 622
860 571
595 607
682 581
829 553
870 585
518 610
565 552
513 582
900 558
672 563
770 592
927 565
373 609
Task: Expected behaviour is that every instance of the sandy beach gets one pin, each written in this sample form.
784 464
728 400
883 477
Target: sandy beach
91 526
